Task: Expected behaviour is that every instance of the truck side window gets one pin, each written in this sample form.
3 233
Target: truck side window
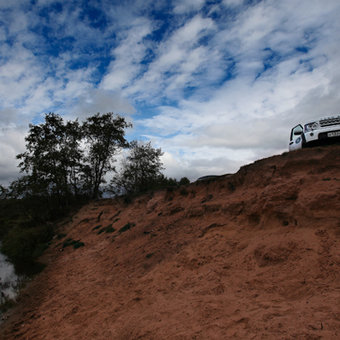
296 131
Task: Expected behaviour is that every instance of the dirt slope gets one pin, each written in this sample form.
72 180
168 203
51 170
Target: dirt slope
254 255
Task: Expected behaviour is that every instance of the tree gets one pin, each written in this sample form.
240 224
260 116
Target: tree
52 157
105 135
141 170
54 163
3 192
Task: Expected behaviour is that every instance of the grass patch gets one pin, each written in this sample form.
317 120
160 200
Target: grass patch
61 236
108 229
115 215
78 244
97 227
184 192
127 199
127 226
75 243
231 186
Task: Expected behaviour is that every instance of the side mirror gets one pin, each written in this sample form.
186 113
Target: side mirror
297 133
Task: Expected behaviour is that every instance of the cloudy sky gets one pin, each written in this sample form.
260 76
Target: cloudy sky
215 84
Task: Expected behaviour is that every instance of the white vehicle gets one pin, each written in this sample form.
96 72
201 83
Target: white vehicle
322 131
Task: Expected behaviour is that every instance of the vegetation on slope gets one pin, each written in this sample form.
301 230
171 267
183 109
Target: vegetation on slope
64 166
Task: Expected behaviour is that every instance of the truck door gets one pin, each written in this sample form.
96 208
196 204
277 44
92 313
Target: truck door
295 141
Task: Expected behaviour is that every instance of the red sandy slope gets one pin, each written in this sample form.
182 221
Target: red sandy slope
254 255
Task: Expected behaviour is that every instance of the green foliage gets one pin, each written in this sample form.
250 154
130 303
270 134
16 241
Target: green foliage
54 163
6 304
23 244
104 134
141 171
3 192
27 227
52 158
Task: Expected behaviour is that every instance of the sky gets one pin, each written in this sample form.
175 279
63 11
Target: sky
214 84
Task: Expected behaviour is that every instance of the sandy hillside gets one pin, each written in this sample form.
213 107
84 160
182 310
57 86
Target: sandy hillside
254 255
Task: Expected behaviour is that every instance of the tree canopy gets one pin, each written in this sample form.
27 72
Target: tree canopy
105 135
141 169
64 159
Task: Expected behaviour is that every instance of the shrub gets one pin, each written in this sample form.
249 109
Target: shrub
6 304
23 246
184 181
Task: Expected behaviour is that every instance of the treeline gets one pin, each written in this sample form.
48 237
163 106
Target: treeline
67 163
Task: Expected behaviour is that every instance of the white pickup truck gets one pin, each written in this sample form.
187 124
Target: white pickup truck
322 131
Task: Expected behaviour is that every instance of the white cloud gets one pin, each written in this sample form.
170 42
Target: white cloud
232 3
128 56
177 59
11 144
185 6
103 101
19 74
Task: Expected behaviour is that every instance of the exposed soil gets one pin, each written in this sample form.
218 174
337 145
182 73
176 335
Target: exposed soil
254 255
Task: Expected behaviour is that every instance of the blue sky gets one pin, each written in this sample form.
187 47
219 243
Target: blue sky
215 84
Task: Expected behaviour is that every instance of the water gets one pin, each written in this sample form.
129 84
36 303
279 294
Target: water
9 281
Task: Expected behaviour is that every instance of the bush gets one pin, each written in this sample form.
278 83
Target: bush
184 192
184 181
6 304
23 246
26 228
